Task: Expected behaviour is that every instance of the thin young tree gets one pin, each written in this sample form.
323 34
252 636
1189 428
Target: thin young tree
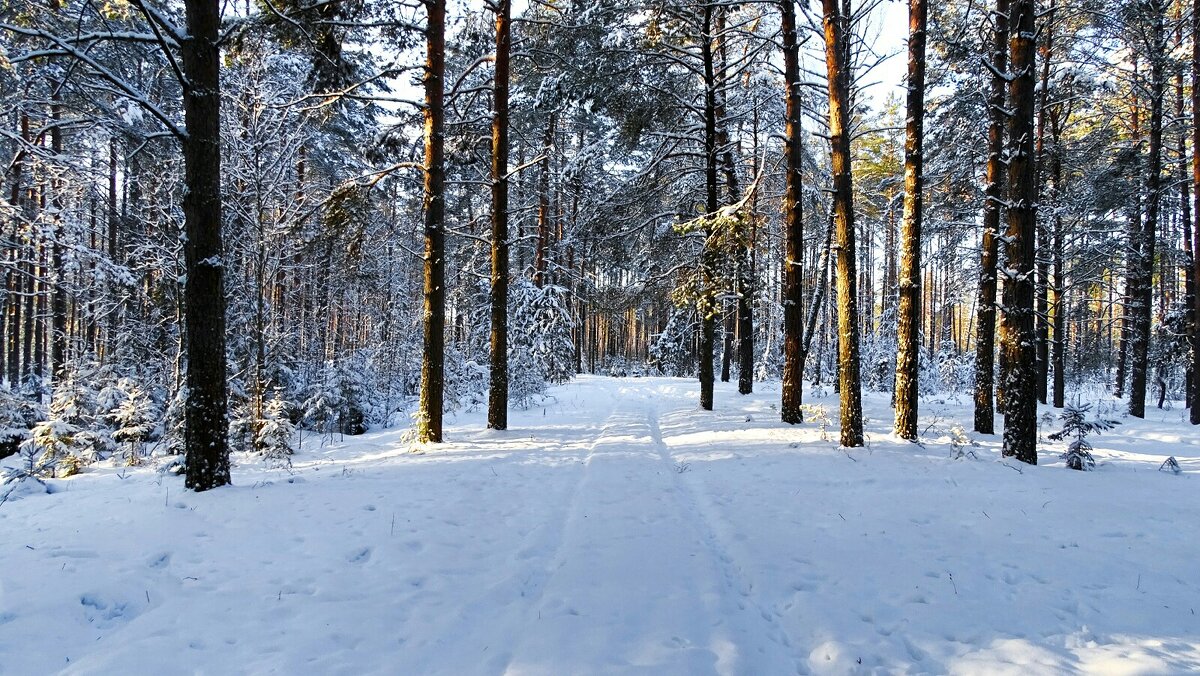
1016 318
498 393
837 69
429 427
985 331
908 332
793 227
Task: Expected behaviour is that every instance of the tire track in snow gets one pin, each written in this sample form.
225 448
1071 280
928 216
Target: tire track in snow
636 585
740 598
516 596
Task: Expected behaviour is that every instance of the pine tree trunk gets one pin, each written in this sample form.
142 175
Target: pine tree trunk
1133 231
837 67
985 306
908 330
1042 290
1016 325
793 226
204 290
708 264
1058 355
729 327
1194 414
1185 198
1142 295
543 222
12 274
498 394
58 302
434 317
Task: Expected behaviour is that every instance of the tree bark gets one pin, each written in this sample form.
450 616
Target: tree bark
1017 328
1141 296
498 393
837 67
204 290
434 317
1058 354
793 226
708 264
985 307
543 223
58 301
1042 289
908 333
1194 414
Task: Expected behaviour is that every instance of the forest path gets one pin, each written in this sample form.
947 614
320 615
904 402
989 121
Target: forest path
639 582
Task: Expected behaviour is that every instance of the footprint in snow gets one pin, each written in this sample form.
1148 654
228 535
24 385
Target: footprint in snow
360 556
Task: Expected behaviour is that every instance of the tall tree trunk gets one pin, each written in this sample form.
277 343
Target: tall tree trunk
204 290
498 394
1058 356
58 302
1142 295
708 264
543 222
985 306
12 273
1194 415
1016 321
1185 198
1133 229
434 319
908 330
837 67
793 226
1042 289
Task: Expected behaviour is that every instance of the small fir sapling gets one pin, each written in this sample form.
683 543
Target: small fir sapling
819 414
135 420
65 440
671 351
274 436
959 440
14 424
1076 428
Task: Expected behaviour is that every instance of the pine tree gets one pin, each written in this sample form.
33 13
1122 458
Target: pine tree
1017 329
843 215
908 334
793 226
429 424
985 340
498 393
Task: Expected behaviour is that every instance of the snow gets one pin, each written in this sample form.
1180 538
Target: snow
620 530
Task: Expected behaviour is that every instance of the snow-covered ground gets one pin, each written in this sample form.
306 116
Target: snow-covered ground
621 530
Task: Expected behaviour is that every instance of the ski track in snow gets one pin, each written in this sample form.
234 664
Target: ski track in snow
620 530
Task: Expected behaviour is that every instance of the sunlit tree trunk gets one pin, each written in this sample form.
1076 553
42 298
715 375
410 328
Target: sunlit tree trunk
908 336
434 312
985 307
837 67
498 393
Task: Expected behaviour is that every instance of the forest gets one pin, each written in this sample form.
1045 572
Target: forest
227 222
